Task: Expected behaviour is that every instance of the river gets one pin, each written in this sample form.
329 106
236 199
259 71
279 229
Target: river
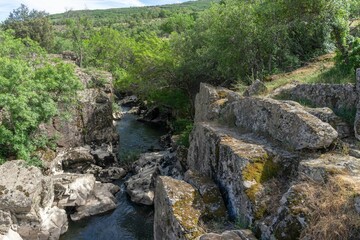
128 221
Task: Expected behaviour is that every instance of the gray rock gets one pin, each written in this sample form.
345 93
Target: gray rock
85 194
357 204
256 88
26 203
77 160
104 155
129 101
225 155
102 200
357 117
334 96
177 210
291 125
318 168
141 185
327 115
214 204
209 101
73 189
110 174
287 123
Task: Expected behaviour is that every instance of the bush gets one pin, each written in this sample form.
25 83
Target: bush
29 95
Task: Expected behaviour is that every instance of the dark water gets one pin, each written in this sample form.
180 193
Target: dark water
128 221
137 137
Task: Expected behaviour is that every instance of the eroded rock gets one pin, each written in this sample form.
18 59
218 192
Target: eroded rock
177 210
26 203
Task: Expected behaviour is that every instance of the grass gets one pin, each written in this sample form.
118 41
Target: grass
320 70
329 209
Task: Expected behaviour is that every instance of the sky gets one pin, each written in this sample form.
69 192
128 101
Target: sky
59 6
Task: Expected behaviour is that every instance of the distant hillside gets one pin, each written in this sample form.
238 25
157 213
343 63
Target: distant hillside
134 15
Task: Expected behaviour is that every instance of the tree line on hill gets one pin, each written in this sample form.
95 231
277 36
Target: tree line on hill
163 53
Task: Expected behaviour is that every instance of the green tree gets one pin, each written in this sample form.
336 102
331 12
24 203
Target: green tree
32 24
30 92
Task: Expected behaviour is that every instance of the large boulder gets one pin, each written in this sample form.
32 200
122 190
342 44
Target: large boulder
287 123
102 200
141 185
77 160
26 202
84 194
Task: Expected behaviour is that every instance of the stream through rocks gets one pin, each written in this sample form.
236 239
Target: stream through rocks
129 220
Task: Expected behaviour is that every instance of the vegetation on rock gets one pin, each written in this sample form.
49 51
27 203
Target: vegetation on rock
31 89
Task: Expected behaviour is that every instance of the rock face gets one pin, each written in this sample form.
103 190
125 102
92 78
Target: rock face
141 185
238 164
177 210
213 203
26 202
91 118
357 117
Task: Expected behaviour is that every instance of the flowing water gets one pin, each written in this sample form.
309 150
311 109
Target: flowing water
128 221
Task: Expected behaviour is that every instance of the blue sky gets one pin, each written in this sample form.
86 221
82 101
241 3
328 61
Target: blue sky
58 6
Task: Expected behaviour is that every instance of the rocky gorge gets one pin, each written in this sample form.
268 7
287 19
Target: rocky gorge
76 175
260 165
